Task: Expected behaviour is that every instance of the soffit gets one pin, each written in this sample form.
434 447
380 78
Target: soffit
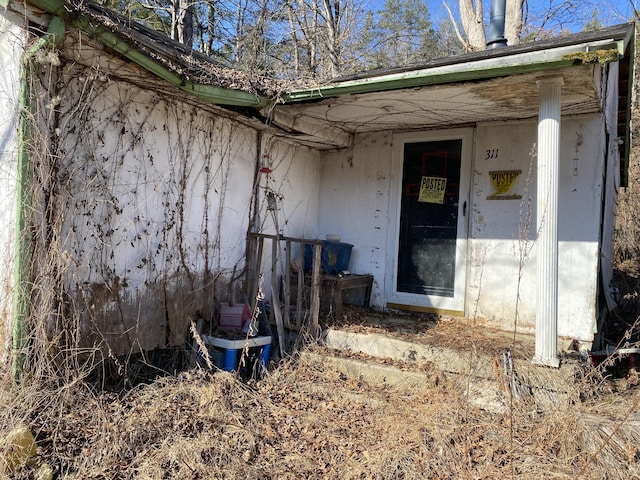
330 121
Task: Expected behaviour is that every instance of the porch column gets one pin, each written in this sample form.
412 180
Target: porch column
546 349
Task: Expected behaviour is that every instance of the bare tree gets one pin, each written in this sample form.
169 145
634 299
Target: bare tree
295 44
471 17
513 21
305 19
208 31
182 21
320 32
331 13
473 35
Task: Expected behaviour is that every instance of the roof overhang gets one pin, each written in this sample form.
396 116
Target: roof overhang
525 58
334 120
494 85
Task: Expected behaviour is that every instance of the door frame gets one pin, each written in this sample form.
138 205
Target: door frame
430 303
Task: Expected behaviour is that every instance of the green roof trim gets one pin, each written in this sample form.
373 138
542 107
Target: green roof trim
206 93
23 252
521 59
424 79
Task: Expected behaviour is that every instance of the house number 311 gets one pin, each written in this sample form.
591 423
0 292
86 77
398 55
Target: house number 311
491 154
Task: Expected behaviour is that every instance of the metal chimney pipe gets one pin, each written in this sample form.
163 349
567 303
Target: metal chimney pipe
495 38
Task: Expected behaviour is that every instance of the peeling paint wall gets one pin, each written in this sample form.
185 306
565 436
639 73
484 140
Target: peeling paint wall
146 204
11 46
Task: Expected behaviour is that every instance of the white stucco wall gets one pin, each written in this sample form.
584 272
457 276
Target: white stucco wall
156 199
501 249
11 48
354 203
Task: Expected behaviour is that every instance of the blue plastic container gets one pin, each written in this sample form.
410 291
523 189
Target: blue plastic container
334 258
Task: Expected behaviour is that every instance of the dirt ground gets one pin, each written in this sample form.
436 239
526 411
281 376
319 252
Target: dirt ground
304 420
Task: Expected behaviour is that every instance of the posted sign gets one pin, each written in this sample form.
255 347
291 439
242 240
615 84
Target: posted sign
503 181
432 189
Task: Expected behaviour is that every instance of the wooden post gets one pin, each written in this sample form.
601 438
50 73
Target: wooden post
275 300
299 316
314 329
251 267
286 293
257 265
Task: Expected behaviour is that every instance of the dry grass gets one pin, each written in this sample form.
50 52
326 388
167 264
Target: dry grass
305 421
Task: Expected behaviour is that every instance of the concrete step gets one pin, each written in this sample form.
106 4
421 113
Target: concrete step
479 392
487 377
383 346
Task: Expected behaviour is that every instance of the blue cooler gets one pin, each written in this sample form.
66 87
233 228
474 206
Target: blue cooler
334 259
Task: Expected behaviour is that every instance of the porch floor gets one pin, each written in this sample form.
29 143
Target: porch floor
457 333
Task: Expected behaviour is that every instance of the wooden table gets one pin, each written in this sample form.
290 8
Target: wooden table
334 285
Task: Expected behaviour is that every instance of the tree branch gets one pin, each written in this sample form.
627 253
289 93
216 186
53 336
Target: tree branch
455 27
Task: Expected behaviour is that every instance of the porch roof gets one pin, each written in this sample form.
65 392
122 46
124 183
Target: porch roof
492 85
498 85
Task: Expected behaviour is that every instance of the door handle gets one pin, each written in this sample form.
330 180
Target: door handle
464 209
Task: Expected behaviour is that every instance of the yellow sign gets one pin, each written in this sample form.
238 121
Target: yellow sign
432 189
502 182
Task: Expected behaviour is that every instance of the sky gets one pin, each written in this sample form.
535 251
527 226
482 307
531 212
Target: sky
571 14
609 12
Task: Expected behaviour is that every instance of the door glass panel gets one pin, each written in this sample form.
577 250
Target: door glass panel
429 217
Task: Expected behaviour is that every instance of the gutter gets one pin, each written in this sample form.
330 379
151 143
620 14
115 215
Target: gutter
22 267
206 93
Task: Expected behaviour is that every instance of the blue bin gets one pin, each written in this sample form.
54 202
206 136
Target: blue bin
334 258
